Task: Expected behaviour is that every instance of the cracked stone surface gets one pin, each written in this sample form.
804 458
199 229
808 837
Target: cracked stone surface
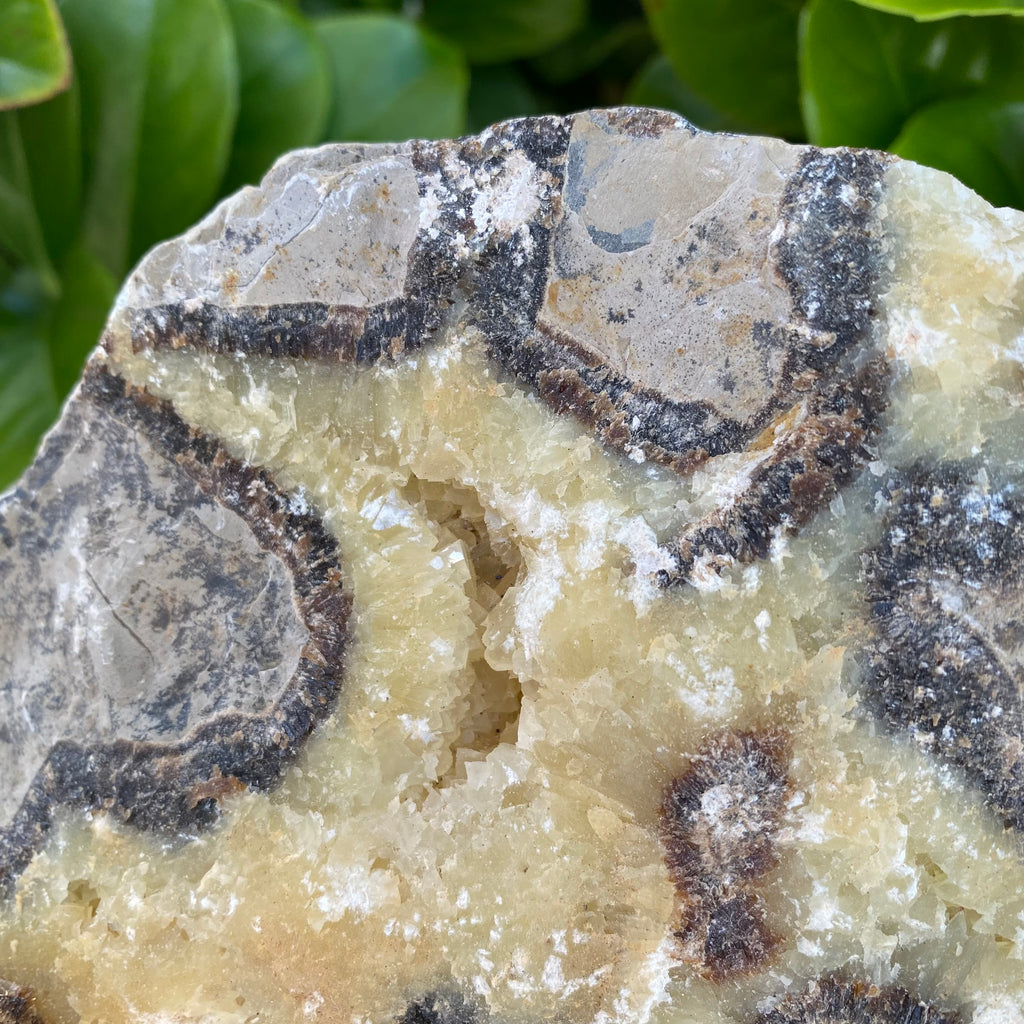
566 574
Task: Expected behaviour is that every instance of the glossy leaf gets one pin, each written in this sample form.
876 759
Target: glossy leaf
21 234
284 87
502 30
864 73
188 118
110 40
158 84
926 10
51 137
657 85
44 340
498 93
35 62
979 139
599 55
318 8
76 319
738 56
28 401
392 80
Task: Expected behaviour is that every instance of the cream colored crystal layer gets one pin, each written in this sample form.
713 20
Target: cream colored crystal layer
482 810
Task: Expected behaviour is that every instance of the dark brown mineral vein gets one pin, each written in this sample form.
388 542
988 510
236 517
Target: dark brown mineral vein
835 999
204 640
747 328
946 659
17 1005
442 1007
718 827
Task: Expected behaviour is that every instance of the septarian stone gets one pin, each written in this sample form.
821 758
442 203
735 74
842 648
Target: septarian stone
570 573
198 638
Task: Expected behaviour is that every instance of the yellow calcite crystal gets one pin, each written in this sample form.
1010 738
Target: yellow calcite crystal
713 716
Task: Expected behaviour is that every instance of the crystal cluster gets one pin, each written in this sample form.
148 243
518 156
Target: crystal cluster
567 574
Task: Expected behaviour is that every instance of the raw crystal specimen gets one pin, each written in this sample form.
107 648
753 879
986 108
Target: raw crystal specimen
571 573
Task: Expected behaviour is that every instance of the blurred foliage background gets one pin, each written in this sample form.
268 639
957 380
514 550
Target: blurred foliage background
124 120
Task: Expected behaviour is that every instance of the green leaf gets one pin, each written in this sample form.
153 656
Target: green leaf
35 62
21 234
28 403
43 343
284 87
738 56
28 400
392 80
51 136
927 10
77 318
607 51
110 39
158 83
501 30
864 73
497 93
317 8
657 85
980 139
40 170
188 118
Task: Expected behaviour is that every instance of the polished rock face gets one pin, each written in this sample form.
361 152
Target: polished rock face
571 573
